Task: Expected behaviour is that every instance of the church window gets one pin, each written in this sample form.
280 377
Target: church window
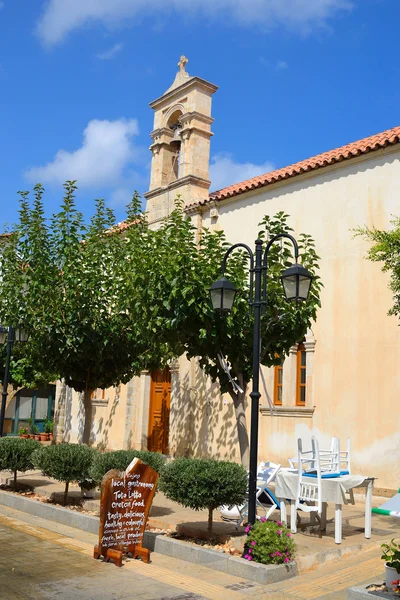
301 360
278 384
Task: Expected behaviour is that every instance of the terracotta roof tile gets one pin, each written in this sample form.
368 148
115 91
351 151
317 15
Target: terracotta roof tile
369 144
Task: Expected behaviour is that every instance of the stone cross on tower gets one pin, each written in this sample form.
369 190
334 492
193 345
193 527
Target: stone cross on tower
182 63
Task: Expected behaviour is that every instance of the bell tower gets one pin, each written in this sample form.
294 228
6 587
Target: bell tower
181 144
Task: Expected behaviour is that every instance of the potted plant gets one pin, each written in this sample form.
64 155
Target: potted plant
23 432
391 556
48 428
44 437
35 432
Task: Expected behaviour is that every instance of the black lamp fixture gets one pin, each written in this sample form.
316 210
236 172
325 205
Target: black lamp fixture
222 294
296 282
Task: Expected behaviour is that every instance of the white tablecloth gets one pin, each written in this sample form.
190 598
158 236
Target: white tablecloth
333 489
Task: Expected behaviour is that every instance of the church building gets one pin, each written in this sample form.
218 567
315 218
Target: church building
343 379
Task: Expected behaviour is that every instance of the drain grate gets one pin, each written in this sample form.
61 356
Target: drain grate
242 585
188 596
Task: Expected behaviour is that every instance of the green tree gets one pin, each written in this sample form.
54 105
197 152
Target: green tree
16 455
386 250
176 278
65 462
64 282
204 484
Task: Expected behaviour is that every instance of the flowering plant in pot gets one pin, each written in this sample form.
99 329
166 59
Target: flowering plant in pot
391 556
23 432
269 543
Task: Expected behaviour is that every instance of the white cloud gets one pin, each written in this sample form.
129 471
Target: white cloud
60 17
106 153
111 53
225 171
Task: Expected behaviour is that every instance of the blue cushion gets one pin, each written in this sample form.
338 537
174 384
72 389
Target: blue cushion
323 475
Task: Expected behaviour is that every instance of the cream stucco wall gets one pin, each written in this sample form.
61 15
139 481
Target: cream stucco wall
356 376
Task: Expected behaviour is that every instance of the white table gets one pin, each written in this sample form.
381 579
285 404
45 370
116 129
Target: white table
334 490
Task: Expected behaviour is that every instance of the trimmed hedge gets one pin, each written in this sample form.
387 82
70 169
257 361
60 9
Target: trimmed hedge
120 459
204 483
65 462
16 455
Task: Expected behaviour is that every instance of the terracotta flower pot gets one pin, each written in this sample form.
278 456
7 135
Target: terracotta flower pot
24 435
44 437
37 437
50 436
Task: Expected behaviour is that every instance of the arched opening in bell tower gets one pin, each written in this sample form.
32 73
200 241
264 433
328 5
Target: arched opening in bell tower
175 125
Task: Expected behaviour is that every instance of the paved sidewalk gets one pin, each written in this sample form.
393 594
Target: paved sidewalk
43 561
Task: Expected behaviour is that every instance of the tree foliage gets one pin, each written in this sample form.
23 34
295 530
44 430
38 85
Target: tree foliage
101 303
386 250
181 269
204 484
64 282
16 455
65 462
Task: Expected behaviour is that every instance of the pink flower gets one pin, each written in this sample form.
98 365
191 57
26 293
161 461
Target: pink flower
247 529
246 556
279 532
249 550
279 523
287 560
289 535
249 558
278 553
253 543
263 519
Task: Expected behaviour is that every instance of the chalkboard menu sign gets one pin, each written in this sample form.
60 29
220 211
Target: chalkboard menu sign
126 499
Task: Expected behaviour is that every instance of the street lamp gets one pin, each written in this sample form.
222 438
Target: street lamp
296 281
11 335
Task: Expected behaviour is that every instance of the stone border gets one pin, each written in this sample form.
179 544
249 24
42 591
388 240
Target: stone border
219 561
64 516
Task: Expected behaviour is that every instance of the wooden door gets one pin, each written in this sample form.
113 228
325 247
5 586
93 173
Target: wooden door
160 398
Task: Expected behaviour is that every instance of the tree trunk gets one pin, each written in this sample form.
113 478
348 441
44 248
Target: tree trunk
88 416
239 402
66 493
210 522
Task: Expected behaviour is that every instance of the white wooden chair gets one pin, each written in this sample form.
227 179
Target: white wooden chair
309 488
333 460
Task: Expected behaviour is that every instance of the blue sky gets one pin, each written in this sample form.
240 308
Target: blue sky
296 77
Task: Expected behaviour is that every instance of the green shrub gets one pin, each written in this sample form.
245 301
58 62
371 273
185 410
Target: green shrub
65 462
120 459
201 484
269 543
16 455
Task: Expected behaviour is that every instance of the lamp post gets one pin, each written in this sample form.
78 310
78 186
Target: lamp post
296 282
11 335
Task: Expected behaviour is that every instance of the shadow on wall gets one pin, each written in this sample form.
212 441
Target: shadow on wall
202 425
68 414
102 433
